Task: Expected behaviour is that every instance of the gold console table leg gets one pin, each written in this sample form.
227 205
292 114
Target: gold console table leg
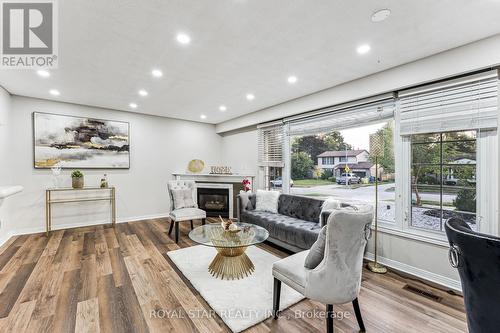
231 264
113 207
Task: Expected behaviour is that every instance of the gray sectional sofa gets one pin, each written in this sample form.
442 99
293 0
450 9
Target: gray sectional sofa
295 227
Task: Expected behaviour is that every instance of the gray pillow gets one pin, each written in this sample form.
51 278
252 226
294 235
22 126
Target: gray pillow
317 252
183 198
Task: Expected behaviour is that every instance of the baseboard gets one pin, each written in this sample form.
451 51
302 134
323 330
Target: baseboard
33 230
418 272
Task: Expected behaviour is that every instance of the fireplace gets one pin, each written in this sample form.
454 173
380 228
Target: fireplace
215 201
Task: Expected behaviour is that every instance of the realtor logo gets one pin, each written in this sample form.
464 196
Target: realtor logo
29 34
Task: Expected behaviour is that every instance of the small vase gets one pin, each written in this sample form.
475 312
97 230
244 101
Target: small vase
77 182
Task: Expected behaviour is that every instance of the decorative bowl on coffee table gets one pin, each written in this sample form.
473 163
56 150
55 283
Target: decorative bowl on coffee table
231 262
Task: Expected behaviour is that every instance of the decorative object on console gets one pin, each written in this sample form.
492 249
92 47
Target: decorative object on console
104 181
56 172
196 166
77 180
376 151
267 201
78 142
220 170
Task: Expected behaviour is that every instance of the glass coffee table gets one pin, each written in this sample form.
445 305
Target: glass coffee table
231 262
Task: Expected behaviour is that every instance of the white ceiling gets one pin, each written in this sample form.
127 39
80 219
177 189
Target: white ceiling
107 50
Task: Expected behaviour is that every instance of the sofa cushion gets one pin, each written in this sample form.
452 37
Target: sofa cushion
267 201
303 208
287 229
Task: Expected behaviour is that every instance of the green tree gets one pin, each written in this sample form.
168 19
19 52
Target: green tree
465 201
387 161
301 165
314 145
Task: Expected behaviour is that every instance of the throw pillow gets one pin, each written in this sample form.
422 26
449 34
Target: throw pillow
246 203
267 201
329 204
183 198
317 251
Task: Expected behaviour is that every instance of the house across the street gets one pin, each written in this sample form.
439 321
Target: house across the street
357 161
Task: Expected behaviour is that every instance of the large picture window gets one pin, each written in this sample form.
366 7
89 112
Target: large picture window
443 179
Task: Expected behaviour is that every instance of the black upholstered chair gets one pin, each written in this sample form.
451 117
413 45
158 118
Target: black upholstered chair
477 258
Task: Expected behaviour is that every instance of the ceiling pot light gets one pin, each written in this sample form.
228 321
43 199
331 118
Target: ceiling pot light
292 79
54 92
203 116
157 73
43 73
250 97
183 39
381 15
363 49
143 93
133 105
222 108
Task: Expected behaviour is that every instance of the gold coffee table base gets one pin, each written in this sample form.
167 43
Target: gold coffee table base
231 264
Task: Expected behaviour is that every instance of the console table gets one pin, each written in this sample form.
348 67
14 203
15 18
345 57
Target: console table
49 201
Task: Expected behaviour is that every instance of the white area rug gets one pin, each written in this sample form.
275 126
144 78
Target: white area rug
240 303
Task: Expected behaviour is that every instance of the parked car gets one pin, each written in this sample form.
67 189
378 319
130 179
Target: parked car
278 182
348 178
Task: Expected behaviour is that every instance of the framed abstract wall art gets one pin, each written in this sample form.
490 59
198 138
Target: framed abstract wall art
79 142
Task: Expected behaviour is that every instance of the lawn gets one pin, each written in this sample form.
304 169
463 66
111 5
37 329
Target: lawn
311 182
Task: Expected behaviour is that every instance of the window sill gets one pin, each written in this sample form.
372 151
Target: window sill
431 239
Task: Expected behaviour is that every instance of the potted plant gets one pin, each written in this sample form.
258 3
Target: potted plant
77 179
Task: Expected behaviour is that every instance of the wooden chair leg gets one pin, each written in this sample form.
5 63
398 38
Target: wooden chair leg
192 225
357 311
171 227
276 297
203 221
176 232
329 318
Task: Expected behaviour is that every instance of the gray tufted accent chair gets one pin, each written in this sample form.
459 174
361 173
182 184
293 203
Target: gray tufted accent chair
183 214
337 279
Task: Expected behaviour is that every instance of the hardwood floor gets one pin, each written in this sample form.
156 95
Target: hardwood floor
98 278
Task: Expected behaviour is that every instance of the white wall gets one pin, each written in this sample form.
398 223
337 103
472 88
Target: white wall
159 146
239 150
5 161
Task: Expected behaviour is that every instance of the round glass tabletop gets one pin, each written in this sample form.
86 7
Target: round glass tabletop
214 235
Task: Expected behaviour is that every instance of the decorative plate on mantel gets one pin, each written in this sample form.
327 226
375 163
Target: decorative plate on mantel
196 166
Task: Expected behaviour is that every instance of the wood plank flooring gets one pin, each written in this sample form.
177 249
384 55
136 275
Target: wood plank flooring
100 279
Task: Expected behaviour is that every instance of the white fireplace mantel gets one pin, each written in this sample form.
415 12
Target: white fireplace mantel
208 177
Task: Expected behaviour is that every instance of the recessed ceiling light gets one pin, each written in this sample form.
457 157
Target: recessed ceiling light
292 79
381 15
362 49
183 39
157 73
54 92
133 105
43 73
250 97
222 108
203 116
143 93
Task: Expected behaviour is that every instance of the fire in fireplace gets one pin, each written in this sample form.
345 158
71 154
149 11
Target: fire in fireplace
214 201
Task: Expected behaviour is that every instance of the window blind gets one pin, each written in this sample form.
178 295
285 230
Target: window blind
271 139
338 119
461 104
